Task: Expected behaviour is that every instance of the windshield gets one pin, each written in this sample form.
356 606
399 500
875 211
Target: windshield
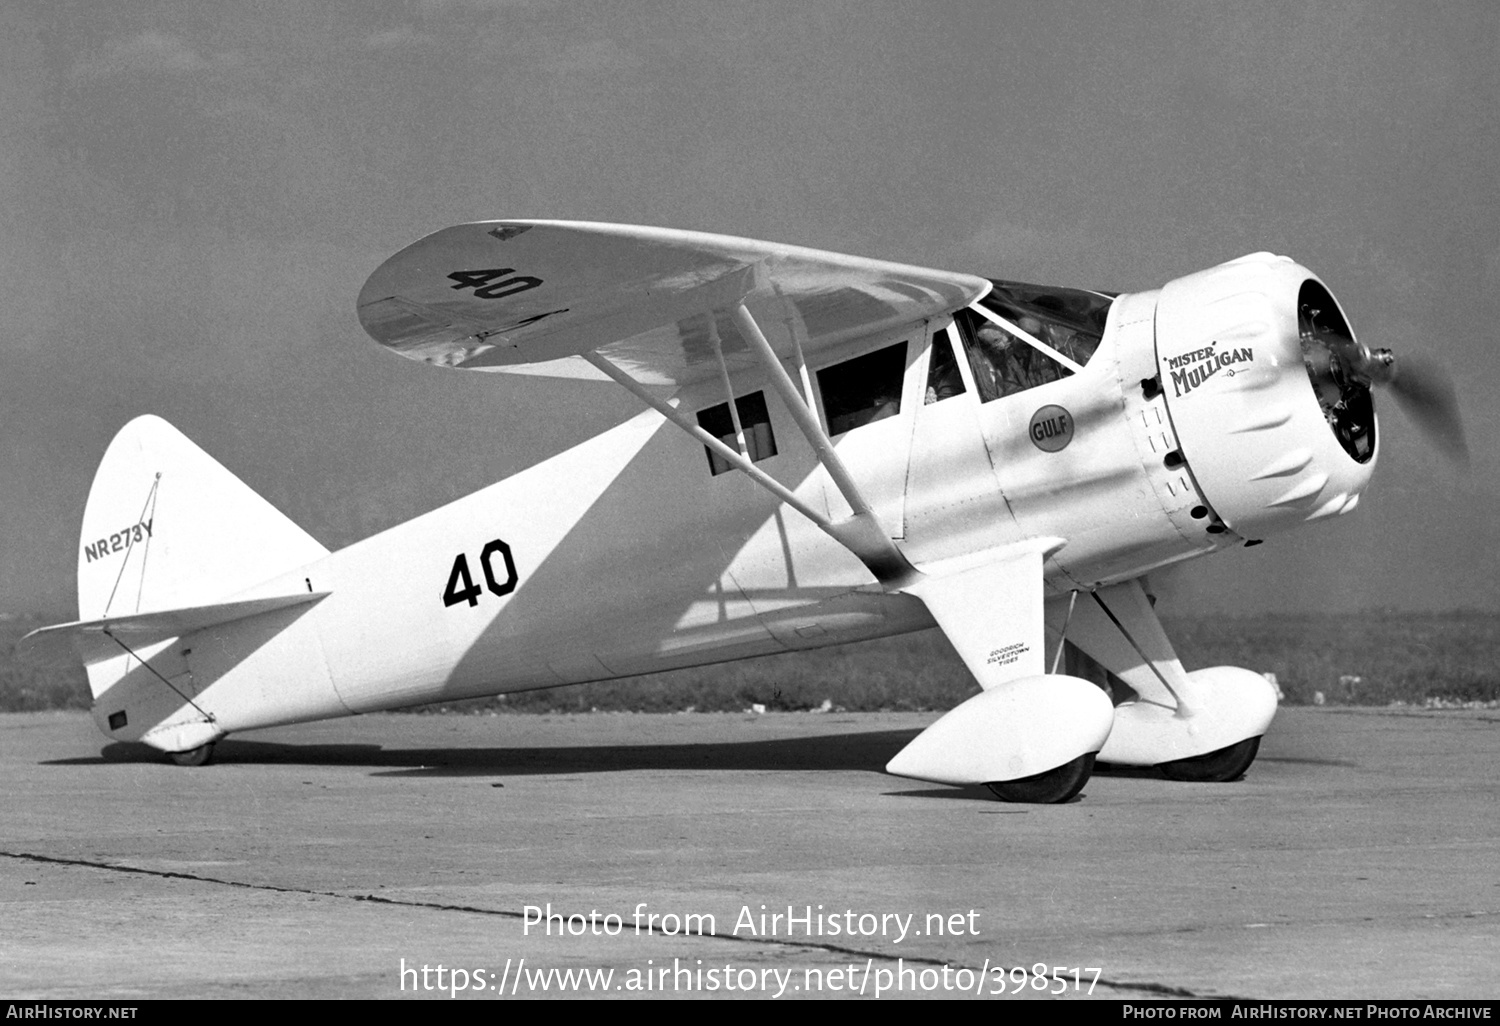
1071 321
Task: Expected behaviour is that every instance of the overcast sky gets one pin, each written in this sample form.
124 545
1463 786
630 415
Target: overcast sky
191 194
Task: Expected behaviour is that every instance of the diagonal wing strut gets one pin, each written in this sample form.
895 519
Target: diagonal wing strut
860 532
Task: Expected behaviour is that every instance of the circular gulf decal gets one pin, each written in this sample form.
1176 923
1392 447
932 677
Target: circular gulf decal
1051 428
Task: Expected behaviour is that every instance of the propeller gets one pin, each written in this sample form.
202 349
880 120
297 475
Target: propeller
1422 387
1343 371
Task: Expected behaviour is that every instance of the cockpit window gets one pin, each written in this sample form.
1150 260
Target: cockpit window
1070 321
943 379
863 390
755 419
1003 363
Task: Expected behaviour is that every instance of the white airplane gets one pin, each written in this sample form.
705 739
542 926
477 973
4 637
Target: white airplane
833 449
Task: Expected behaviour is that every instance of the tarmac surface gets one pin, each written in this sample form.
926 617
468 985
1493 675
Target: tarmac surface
1359 859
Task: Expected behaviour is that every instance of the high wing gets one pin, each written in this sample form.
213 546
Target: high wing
656 306
526 296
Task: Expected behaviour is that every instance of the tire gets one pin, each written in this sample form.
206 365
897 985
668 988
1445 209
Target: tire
1049 788
199 756
1216 767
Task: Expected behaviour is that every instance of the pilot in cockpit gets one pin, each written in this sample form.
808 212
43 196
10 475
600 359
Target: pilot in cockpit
999 349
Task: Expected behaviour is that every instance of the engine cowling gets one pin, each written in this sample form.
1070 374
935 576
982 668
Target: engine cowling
1272 440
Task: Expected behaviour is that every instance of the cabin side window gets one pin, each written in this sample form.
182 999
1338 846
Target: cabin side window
943 378
863 390
755 419
1003 363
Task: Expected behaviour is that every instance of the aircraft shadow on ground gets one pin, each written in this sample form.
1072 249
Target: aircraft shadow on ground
866 752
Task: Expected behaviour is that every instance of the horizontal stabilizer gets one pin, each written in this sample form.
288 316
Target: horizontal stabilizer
142 629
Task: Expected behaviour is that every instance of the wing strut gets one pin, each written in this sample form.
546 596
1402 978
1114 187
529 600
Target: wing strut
860 532
735 459
734 407
791 332
801 412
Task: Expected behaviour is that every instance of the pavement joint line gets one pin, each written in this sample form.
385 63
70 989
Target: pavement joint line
165 874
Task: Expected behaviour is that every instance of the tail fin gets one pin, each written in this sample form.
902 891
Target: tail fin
166 526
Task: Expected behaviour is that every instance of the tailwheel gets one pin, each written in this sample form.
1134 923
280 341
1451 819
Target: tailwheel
194 756
1215 767
1051 787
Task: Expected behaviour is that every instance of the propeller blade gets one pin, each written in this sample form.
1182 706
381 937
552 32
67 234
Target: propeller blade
1425 391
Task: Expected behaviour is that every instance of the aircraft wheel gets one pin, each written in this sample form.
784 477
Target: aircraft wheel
194 756
1053 786
1215 767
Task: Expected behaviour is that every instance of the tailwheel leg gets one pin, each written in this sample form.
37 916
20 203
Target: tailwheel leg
1051 787
194 756
1216 767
